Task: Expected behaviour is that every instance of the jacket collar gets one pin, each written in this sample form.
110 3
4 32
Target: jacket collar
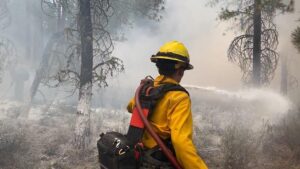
161 79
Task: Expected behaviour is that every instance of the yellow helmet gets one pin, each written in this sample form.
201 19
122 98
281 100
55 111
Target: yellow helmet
173 50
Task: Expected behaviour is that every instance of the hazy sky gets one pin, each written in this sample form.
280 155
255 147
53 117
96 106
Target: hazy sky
194 24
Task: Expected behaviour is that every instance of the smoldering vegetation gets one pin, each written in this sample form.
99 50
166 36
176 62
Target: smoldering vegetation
245 129
229 131
44 139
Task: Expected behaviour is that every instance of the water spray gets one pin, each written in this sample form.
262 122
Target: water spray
258 103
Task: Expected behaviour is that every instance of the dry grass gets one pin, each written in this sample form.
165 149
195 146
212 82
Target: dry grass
282 144
47 142
238 146
15 146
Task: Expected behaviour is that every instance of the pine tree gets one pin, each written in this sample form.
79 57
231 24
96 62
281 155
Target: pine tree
255 50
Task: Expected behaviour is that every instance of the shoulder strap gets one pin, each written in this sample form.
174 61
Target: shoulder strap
149 97
164 88
157 93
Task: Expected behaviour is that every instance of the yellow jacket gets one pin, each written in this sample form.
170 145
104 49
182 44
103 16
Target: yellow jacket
172 117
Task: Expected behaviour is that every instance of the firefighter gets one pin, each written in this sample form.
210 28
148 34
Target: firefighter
172 116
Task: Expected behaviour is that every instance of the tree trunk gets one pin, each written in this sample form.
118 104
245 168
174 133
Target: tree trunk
28 33
284 78
44 65
60 18
37 34
82 127
257 43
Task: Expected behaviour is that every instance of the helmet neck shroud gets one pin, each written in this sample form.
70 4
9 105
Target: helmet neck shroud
170 69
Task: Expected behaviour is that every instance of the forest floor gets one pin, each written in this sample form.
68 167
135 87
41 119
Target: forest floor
224 134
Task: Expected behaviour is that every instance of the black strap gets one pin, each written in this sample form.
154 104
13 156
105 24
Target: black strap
173 55
166 87
149 101
158 92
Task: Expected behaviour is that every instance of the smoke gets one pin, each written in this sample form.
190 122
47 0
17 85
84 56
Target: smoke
207 39
195 25
191 22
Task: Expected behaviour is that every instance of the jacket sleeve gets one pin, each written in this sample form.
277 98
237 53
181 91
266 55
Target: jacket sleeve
130 105
181 125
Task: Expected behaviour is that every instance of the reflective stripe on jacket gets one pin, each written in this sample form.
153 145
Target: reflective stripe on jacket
172 117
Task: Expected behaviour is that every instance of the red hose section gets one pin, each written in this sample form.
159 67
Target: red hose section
166 151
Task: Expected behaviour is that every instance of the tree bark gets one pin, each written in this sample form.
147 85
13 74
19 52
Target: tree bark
257 43
82 127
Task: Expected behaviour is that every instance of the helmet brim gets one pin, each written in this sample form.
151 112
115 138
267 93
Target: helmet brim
189 67
155 58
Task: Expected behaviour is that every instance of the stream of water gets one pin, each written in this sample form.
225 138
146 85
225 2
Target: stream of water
247 106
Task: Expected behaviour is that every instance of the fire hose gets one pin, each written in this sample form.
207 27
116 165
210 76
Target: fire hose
165 150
